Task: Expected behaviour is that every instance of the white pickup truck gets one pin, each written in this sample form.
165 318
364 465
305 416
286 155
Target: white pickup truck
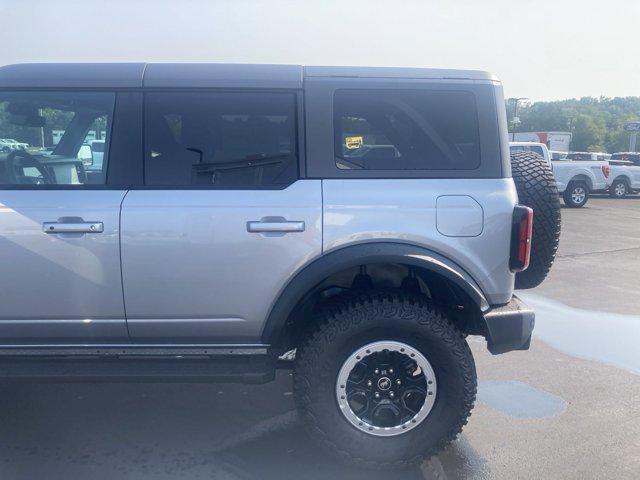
625 174
535 147
576 179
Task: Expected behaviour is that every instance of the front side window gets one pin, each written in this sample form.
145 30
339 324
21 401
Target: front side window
222 140
406 130
47 137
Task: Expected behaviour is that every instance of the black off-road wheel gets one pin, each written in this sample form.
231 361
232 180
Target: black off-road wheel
385 380
537 189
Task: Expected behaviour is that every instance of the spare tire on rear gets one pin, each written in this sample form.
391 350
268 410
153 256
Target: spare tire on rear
537 189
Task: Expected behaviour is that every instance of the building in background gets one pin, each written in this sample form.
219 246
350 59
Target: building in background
557 141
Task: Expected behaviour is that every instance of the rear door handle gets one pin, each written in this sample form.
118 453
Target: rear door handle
283 226
73 227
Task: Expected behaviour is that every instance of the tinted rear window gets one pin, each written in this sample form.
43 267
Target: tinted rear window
537 149
406 130
579 156
625 156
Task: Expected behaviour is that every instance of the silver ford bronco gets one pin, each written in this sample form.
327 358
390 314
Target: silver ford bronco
365 220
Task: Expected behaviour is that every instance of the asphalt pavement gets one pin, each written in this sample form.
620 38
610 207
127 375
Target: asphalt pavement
567 408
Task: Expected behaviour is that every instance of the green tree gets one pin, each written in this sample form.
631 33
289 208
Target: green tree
597 124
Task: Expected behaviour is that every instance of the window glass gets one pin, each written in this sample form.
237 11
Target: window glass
537 149
635 158
579 156
222 140
49 137
406 130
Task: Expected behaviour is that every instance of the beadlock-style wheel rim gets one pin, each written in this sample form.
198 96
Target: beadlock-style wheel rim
578 195
386 388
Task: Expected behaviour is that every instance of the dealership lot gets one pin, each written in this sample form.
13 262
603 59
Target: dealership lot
567 408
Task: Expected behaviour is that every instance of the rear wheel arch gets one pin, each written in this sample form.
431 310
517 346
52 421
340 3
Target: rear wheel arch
620 186
582 178
308 281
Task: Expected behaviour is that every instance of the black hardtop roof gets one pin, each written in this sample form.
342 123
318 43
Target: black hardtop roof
194 75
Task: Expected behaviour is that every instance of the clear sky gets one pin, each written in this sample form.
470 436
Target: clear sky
540 49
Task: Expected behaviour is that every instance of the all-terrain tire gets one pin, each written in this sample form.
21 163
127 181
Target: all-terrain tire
537 189
358 322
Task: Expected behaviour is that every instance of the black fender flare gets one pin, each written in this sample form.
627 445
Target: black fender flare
354 255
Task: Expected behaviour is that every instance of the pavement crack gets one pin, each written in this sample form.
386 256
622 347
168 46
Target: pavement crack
599 252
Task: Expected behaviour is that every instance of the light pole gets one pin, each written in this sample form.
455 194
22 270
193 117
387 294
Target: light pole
41 130
516 119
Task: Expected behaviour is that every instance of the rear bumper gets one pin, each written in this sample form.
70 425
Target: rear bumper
509 326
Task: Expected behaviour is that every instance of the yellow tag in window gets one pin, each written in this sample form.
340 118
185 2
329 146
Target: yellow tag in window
353 143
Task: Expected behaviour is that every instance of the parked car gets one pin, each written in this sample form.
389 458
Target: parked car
577 177
625 174
6 146
539 148
84 155
593 156
556 155
239 224
16 144
97 154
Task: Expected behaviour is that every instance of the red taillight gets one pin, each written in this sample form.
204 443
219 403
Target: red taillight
606 170
521 229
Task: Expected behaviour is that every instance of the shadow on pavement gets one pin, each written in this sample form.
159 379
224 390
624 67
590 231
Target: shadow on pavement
168 431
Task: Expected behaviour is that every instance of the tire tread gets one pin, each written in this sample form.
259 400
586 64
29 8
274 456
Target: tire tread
343 316
537 189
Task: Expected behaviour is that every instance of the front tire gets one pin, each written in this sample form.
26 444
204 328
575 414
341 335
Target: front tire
576 194
385 380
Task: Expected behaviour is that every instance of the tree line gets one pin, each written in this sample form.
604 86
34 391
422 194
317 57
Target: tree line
596 123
